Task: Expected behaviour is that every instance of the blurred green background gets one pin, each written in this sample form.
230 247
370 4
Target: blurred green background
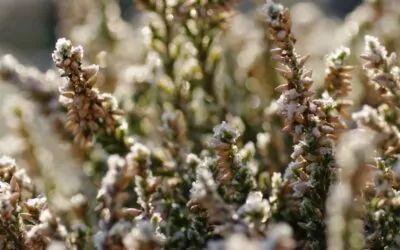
28 28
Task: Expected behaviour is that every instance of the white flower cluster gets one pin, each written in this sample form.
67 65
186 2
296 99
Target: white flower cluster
373 50
255 204
288 104
337 58
65 51
203 184
226 133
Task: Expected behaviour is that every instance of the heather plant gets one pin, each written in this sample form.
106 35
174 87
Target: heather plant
212 132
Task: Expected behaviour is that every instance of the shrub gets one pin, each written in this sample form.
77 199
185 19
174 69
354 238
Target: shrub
183 145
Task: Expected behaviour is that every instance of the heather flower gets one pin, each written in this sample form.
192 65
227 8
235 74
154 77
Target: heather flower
255 206
248 151
48 226
338 57
311 121
204 183
373 50
226 133
25 214
379 67
177 162
36 204
89 112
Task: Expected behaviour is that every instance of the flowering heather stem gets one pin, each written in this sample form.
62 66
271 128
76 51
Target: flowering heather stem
175 175
383 73
25 220
312 125
90 114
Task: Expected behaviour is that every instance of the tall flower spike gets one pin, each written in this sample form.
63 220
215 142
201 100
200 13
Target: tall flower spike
89 112
293 101
383 72
313 126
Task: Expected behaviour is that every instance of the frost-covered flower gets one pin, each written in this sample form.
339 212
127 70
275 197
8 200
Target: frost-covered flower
36 204
255 205
63 49
226 133
374 51
203 184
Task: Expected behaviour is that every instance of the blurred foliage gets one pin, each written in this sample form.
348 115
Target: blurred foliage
172 124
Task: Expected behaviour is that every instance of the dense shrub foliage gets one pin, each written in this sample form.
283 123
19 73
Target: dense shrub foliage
200 127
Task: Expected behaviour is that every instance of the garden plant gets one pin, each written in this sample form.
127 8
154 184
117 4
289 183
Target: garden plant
198 126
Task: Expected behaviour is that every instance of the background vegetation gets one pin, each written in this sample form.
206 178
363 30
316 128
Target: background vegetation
210 124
